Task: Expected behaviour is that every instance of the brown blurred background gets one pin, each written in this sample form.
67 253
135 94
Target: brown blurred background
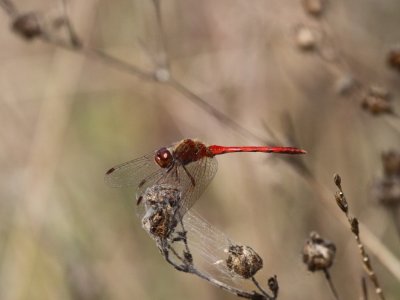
67 117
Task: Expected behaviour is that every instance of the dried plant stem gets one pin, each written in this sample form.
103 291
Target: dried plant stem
9 7
379 250
364 291
354 226
260 288
186 265
331 285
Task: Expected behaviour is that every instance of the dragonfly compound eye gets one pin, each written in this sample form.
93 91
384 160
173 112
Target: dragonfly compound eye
163 158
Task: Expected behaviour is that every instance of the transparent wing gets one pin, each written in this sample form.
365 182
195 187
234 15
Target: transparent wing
134 172
191 180
200 173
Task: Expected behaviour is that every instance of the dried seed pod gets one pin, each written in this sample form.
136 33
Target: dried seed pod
161 206
345 84
386 191
27 25
391 163
162 75
318 253
161 193
273 285
341 201
379 92
376 105
313 7
354 226
243 261
305 38
160 222
393 58
338 180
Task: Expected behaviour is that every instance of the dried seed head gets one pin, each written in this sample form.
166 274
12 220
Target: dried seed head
338 180
273 285
345 84
393 58
341 201
318 253
162 75
161 205
160 222
379 92
387 191
391 163
354 226
377 101
243 261
313 7
161 194
27 25
305 38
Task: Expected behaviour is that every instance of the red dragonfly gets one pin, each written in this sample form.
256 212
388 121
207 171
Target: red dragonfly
188 165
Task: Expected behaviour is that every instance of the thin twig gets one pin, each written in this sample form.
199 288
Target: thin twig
364 290
220 116
164 56
260 288
9 7
331 285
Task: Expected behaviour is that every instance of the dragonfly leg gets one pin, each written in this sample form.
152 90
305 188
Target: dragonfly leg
190 176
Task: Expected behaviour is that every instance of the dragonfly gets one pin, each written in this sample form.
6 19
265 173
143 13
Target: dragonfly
188 165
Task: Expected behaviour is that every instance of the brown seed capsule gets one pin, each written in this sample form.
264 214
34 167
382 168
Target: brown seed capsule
27 25
161 205
393 58
273 285
354 226
379 92
313 7
345 84
243 261
376 105
161 193
318 253
305 38
386 190
391 163
341 201
338 180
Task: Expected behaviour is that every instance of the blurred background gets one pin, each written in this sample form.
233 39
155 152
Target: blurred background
68 116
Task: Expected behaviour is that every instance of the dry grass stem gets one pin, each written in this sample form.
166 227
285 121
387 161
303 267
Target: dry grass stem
354 226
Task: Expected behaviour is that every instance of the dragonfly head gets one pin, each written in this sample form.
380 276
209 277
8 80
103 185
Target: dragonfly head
163 158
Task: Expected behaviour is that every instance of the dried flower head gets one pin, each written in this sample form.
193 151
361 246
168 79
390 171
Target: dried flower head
161 206
243 261
391 163
345 84
318 253
305 38
393 58
386 190
273 285
313 7
376 104
27 25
